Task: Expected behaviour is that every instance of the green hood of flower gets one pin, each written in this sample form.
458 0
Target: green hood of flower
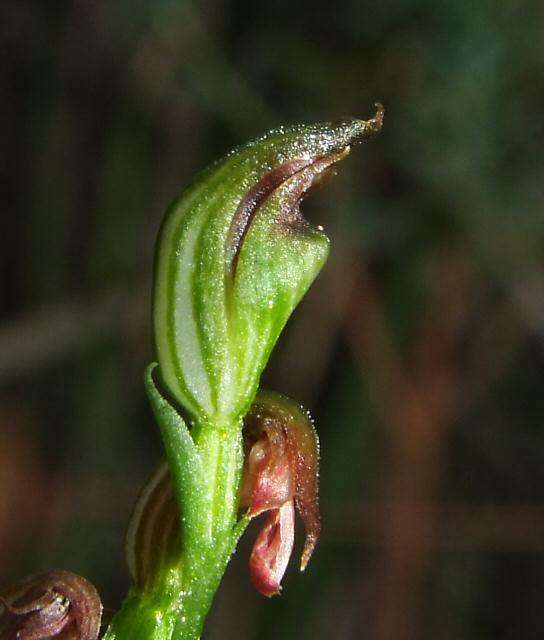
234 258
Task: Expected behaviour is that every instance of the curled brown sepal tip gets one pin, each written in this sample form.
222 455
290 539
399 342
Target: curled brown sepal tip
365 129
375 124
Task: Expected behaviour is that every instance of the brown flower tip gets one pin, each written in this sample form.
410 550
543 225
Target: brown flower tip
57 604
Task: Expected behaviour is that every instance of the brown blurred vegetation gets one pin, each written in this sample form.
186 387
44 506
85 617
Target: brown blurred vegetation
419 350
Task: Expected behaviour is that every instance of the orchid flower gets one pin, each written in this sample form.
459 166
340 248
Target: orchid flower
280 472
234 257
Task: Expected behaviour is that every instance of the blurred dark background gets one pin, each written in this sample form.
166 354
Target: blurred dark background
419 350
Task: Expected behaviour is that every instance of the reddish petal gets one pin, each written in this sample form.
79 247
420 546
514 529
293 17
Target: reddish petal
268 479
272 550
303 449
282 463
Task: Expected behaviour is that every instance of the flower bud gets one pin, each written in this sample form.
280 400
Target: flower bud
153 536
57 604
234 257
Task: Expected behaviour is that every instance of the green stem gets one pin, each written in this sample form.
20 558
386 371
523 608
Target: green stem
177 606
222 458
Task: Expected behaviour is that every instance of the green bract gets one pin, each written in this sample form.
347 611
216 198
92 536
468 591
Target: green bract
234 257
